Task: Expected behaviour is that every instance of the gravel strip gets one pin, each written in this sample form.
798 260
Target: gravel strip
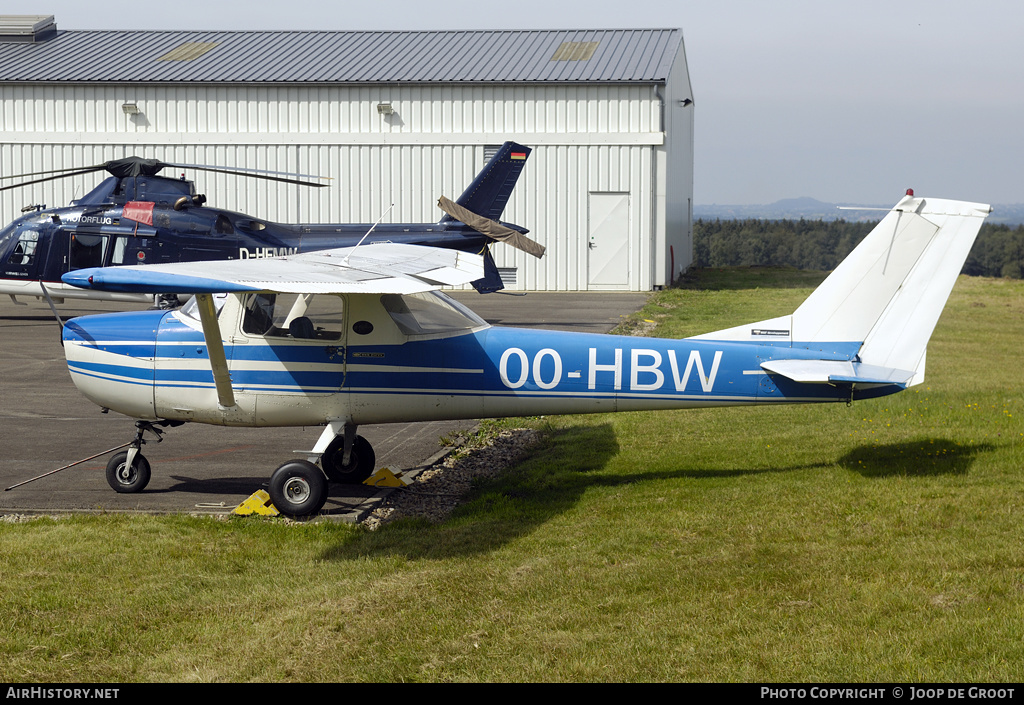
435 492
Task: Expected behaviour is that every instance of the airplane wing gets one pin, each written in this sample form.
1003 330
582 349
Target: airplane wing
381 268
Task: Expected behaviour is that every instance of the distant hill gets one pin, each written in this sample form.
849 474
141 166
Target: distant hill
813 209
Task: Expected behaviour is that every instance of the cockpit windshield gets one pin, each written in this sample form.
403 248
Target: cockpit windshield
191 307
6 236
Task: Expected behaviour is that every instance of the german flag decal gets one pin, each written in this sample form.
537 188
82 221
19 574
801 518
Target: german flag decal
519 155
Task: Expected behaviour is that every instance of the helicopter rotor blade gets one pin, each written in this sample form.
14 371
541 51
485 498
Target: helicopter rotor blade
255 174
75 169
50 178
245 171
137 166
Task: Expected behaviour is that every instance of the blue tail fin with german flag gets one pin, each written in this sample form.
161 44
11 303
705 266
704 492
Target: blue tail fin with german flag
492 187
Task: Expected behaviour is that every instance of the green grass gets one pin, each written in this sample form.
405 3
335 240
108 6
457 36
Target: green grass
878 542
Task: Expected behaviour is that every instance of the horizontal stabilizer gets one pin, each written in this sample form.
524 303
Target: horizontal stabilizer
837 372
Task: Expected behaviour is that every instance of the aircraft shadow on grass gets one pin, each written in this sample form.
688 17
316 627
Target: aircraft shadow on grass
514 505
518 502
504 509
920 458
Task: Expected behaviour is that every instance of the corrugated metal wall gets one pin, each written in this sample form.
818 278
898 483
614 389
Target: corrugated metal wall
586 139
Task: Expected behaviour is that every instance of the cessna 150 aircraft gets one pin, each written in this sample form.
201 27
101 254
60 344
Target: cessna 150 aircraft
137 217
361 335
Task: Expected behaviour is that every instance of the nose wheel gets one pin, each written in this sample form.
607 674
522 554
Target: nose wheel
129 471
128 476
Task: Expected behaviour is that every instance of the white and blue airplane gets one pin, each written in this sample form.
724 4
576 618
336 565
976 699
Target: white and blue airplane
362 335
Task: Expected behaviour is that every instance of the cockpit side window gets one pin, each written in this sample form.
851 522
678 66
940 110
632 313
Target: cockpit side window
296 316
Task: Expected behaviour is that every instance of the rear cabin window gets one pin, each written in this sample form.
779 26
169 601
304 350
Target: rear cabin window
87 250
429 314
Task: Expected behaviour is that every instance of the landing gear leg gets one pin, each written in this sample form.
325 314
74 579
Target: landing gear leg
129 471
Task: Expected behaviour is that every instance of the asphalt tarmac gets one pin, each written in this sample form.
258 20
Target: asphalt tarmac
45 423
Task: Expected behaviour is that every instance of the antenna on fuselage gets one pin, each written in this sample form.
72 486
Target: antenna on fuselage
383 215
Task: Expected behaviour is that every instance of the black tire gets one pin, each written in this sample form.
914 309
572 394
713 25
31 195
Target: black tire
124 480
360 465
298 488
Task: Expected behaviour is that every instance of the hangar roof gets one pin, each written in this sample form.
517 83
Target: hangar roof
600 55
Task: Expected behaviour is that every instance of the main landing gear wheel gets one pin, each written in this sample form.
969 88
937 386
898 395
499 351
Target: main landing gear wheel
360 463
124 479
298 488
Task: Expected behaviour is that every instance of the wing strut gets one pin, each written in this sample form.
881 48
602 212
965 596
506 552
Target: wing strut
215 347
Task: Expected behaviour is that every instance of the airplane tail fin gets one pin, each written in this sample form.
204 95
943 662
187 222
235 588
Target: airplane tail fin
873 316
493 186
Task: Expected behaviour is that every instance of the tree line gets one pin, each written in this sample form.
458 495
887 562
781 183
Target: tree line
821 245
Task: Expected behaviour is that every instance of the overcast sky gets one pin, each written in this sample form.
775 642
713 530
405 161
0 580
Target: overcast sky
839 101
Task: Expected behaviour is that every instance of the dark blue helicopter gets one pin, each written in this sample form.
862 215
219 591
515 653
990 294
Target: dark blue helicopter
136 216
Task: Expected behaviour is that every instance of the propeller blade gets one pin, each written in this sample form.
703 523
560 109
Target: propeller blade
491 228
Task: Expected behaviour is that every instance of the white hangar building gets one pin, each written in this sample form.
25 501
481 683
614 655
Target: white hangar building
393 117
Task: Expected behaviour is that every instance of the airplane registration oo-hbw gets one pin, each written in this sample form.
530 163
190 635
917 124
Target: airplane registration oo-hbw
361 335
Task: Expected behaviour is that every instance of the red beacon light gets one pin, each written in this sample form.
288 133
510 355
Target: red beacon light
910 192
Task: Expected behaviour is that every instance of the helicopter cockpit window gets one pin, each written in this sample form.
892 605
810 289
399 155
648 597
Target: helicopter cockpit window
298 316
25 250
429 314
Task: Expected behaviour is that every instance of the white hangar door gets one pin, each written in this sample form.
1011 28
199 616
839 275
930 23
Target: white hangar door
608 242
